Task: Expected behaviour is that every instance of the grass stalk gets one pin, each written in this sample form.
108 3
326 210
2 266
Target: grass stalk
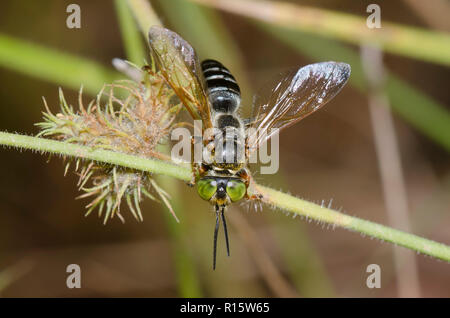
391 170
274 198
326 215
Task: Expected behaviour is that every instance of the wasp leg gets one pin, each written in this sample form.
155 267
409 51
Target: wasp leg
195 166
195 172
243 174
256 196
247 150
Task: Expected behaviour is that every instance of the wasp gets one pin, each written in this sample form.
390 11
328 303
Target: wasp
210 93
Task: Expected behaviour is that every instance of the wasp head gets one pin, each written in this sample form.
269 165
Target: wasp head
221 191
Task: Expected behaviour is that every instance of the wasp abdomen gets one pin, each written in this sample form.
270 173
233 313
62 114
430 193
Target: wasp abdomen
224 96
222 88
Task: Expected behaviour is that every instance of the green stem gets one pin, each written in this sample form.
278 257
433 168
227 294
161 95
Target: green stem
273 197
325 215
90 153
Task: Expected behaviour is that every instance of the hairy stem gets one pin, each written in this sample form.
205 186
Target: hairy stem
96 154
272 197
326 215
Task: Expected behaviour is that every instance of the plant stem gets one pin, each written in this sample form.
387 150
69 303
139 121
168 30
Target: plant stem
90 153
272 197
326 215
391 170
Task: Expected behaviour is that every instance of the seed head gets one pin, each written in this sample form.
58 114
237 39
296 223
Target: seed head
126 116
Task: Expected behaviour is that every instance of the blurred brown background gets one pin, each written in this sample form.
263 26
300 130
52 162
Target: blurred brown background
330 155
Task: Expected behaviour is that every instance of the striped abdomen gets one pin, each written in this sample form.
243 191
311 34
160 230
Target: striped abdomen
222 89
225 96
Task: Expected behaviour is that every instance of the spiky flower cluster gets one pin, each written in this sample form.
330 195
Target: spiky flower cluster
128 117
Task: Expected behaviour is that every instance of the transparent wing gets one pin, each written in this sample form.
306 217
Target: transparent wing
298 94
179 65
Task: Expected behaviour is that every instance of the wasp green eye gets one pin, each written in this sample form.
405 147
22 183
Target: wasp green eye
236 190
206 188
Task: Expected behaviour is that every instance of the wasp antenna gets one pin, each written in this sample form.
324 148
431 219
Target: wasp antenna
225 230
216 230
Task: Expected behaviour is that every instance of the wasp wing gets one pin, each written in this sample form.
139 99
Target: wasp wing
178 63
297 95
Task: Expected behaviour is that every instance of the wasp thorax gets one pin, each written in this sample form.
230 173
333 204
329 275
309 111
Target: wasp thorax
226 150
228 121
224 101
